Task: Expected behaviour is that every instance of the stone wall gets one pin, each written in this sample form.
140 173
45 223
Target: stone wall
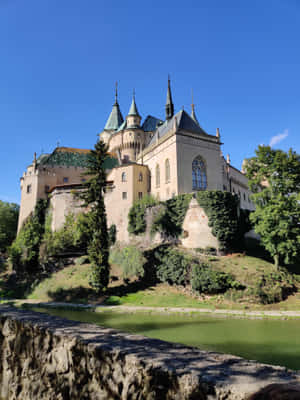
49 358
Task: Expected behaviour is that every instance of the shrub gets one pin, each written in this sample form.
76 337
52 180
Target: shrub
130 259
74 236
173 267
206 280
136 216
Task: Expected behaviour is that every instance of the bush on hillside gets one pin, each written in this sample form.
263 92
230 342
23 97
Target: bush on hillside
74 236
206 280
172 266
130 259
112 234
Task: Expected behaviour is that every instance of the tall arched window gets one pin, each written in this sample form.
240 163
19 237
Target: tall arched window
167 168
140 177
199 174
157 175
123 177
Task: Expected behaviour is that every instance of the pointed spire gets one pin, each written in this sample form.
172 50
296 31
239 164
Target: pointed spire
193 114
169 102
115 118
133 108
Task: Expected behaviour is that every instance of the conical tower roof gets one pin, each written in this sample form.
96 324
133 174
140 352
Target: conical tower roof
133 108
115 118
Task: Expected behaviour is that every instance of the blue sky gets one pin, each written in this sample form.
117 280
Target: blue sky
59 60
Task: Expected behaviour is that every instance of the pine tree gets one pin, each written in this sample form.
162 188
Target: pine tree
93 197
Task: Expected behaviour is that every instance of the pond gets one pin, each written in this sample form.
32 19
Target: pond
270 341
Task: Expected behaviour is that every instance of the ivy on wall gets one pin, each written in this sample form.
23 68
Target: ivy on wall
136 215
222 211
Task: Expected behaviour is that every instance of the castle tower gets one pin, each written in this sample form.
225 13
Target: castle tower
169 102
114 121
133 118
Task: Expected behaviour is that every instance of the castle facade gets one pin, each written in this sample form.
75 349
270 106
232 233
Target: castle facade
161 158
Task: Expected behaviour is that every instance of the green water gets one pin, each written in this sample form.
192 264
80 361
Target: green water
270 341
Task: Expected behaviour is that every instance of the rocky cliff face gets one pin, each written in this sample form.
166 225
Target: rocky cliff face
45 358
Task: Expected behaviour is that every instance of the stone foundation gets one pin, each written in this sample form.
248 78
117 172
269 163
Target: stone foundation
50 358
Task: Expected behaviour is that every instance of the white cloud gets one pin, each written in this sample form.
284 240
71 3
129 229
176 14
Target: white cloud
278 138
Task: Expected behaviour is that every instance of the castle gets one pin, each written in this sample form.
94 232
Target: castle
161 158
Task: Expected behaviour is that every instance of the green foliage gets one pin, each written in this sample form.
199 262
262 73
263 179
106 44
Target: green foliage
92 196
274 178
273 287
130 259
206 280
112 234
24 252
72 237
221 209
170 219
172 266
9 213
136 216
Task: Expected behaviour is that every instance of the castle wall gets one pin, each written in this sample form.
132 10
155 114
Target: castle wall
62 203
166 150
42 179
116 203
188 148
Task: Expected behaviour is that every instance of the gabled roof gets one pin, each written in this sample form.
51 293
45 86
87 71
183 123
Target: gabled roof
183 122
115 118
151 123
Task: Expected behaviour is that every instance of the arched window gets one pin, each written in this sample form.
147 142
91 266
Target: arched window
167 168
157 175
123 176
199 174
140 177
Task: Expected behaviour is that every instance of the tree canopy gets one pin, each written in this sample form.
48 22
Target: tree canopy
9 213
274 178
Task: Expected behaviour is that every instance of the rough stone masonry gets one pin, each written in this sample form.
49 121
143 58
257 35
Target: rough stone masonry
45 357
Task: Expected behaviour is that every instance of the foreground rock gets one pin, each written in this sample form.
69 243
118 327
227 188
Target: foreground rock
44 357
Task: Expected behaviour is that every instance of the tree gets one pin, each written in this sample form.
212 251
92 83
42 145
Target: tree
93 197
9 213
274 178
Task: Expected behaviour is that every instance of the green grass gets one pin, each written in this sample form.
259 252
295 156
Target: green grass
159 296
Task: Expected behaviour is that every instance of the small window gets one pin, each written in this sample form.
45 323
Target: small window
167 170
244 196
28 189
124 195
47 188
140 177
123 177
83 180
140 195
66 180
157 175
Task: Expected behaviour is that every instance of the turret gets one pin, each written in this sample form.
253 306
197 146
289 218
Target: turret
169 102
133 118
115 118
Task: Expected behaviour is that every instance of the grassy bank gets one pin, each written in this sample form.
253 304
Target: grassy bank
71 284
